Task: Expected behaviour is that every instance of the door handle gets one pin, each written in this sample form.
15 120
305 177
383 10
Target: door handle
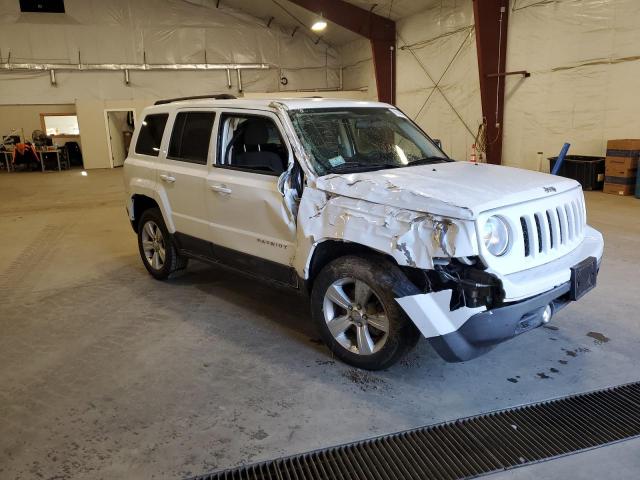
167 178
220 188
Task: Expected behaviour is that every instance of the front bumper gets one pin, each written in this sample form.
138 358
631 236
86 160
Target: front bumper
465 333
484 330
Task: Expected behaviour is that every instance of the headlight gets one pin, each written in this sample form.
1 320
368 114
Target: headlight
495 235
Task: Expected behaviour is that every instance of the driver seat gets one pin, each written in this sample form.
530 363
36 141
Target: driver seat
255 138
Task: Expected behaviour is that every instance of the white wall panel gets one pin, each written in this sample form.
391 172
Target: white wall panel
584 77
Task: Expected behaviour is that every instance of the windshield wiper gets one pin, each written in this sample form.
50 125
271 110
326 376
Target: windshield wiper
361 167
427 161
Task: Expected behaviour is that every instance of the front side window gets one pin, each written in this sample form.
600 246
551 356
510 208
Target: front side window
344 140
190 137
252 143
150 135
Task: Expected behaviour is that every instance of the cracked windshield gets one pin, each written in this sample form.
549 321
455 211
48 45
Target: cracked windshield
362 139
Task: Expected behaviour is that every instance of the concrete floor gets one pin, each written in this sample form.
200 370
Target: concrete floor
107 373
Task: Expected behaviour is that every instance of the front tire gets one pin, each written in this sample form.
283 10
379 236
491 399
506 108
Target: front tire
157 250
353 304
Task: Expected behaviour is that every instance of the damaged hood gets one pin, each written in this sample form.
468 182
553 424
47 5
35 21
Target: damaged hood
453 189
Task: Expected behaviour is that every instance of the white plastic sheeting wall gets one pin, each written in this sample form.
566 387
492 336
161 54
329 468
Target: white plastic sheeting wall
440 40
166 31
583 56
357 67
584 59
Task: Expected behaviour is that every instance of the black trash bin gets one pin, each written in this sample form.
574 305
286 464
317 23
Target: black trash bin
587 170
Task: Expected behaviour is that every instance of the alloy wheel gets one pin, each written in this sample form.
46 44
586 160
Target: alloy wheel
355 316
153 245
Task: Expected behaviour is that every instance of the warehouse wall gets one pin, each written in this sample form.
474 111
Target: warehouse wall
24 119
93 128
584 59
357 67
155 31
435 46
582 55
160 32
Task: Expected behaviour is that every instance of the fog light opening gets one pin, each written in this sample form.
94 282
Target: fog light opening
547 314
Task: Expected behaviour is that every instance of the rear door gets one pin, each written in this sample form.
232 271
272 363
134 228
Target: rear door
246 209
182 174
142 164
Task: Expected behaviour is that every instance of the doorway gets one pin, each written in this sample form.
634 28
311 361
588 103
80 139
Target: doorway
120 124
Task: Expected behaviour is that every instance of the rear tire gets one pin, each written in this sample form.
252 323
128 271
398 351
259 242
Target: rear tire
157 248
353 303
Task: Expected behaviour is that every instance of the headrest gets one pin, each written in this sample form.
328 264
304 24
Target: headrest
378 135
255 133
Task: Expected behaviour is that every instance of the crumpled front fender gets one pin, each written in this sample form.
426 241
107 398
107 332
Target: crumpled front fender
413 239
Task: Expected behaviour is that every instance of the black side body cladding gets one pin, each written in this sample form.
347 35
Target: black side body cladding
249 264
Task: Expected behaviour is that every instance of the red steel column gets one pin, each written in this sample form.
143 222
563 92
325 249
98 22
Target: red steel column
491 17
379 30
384 64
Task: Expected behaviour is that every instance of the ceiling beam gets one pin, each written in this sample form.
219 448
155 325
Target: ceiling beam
491 17
380 31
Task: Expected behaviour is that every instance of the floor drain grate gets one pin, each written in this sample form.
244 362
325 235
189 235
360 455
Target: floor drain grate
470 446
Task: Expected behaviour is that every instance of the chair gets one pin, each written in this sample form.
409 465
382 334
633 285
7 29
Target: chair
51 157
74 154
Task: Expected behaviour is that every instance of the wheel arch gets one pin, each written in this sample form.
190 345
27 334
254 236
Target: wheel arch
139 204
329 250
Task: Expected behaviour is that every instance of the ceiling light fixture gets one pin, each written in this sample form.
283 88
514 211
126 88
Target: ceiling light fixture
319 25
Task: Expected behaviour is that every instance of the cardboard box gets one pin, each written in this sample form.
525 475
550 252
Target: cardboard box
618 189
621 167
624 144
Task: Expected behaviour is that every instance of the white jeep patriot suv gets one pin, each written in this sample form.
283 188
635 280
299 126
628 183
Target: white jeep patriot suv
351 202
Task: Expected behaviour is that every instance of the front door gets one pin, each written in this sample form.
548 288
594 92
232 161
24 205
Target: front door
182 174
246 210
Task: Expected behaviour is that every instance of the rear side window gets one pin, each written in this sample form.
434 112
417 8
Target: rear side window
190 137
150 135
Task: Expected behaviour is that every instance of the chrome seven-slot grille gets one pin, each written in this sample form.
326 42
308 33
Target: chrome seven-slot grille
542 230
554 228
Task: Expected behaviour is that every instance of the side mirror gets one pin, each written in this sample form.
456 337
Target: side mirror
297 179
438 142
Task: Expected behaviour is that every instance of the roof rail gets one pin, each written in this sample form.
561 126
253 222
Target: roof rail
221 96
